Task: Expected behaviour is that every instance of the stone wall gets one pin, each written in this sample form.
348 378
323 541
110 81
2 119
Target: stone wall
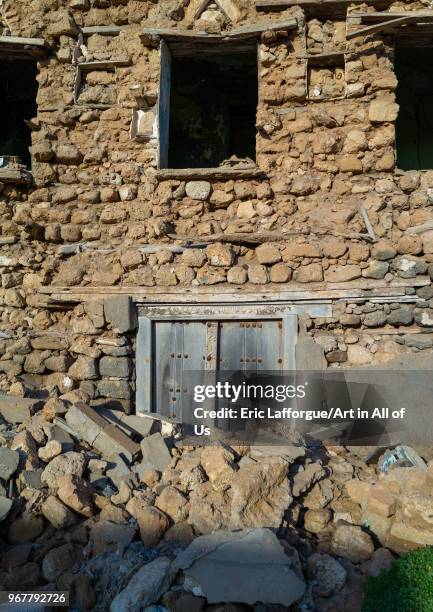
325 146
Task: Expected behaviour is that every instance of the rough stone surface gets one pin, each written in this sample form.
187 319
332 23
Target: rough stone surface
247 567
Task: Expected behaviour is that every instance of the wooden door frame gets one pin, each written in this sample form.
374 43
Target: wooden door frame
146 340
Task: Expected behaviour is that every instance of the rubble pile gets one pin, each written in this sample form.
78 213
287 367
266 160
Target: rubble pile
123 514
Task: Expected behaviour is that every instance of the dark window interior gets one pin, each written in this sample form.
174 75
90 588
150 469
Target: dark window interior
414 69
212 108
18 89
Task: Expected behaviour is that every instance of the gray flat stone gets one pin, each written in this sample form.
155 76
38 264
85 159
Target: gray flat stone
248 566
9 460
17 409
155 452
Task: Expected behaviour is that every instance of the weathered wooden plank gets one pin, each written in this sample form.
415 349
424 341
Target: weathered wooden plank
354 289
381 27
243 238
278 5
208 173
22 41
103 64
103 30
379 16
234 34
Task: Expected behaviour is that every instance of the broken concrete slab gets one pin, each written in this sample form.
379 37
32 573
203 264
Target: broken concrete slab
145 587
247 566
18 409
91 427
155 451
131 424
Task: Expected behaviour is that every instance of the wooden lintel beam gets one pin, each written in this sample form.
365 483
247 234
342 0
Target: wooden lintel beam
20 41
222 173
234 34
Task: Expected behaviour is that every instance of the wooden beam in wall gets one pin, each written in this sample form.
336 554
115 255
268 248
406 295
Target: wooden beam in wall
389 24
233 34
279 5
19 46
208 173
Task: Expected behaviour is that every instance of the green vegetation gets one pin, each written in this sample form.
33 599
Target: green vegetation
406 587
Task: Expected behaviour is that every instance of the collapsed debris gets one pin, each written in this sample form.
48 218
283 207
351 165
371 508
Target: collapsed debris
79 503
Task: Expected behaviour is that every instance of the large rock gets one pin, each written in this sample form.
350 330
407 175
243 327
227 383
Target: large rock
260 494
152 522
145 587
9 460
219 466
68 463
247 566
328 575
76 493
57 513
17 409
350 542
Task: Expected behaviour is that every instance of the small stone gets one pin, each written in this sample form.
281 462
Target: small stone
383 109
400 316
268 254
280 273
258 274
152 522
358 355
50 450
317 521
349 320
310 273
198 190
350 542
246 210
376 269
220 255
150 477
337 356
349 163
9 460
375 319
342 274
410 245
173 503
237 275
